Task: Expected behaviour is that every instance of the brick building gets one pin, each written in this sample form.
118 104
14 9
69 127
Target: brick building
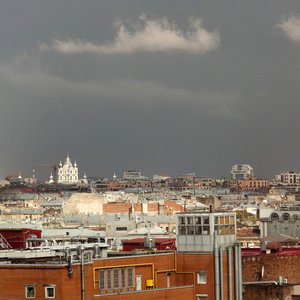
252 184
202 268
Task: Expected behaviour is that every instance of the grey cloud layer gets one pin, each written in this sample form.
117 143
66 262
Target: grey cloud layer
154 93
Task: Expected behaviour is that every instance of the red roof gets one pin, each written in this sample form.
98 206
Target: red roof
257 252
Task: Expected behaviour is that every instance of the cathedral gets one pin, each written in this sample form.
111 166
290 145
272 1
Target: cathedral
68 173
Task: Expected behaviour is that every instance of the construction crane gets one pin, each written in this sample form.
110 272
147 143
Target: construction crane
8 177
55 167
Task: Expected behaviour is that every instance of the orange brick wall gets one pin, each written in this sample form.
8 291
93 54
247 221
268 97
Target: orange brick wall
14 277
175 207
174 294
205 262
113 208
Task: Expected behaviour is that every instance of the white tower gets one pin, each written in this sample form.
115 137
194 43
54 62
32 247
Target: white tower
51 179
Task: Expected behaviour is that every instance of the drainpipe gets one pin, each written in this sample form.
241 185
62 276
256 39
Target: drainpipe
82 273
261 282
229 273
221 273
236 272
216 259
240 272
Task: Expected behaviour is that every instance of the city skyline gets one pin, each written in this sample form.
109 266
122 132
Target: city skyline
161 87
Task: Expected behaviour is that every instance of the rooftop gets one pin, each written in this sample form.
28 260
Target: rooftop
246 252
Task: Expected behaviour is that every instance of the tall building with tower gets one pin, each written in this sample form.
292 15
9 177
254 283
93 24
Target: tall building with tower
68 173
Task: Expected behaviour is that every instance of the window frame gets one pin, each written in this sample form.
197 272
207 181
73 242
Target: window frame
131 278
199 279
27 286
124 281
116 280
46 290
102 280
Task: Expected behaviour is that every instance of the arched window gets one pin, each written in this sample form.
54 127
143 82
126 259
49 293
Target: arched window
274 217
286 216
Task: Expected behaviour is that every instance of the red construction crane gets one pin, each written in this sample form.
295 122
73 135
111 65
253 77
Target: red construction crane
55 167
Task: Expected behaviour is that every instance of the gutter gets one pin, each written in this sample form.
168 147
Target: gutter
260 282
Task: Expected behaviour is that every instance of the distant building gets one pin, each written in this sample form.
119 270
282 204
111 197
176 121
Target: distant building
253 184
241 171
188 176
159 178
134 175
288 177
31 180
68 173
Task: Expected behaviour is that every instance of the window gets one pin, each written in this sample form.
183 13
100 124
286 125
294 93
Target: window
109 283
50 292
201 277
131 277
121 228
201 297
101 280
30 291
182 220
286 216
182 230
124 285
116 279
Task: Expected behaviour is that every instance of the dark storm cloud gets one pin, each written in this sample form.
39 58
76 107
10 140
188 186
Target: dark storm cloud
158 106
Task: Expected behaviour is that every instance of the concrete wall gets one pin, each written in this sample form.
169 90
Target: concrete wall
84 203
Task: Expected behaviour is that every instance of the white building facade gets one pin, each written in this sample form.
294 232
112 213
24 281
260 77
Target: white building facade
68 173
289 177
241 171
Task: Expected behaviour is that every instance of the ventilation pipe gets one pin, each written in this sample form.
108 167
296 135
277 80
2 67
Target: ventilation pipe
236 272
82 273
216 259
29 242
96 251
229 249
240 271
221 273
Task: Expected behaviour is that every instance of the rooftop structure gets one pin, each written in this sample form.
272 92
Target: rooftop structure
133 175
195 230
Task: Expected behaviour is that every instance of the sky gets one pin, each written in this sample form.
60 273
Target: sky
159 86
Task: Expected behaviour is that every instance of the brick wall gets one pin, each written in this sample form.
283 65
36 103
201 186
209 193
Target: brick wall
273 266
